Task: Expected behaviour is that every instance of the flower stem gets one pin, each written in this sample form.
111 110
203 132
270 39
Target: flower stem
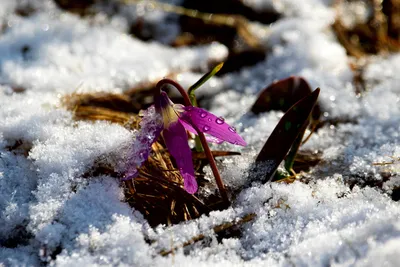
206 148
182 91
218 179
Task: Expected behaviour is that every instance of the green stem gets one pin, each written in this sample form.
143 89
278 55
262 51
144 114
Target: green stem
289 160
193 99
201 81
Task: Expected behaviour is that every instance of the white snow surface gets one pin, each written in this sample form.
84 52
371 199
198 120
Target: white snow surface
55 211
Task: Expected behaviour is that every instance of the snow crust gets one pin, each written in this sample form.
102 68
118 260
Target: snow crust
55 211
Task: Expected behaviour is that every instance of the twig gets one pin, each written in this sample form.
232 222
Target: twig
217 229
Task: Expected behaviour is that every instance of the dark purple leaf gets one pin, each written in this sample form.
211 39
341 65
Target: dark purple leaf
283 94
286 132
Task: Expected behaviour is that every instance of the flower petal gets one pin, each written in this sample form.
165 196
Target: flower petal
213 139
176 140
210 124
166 108
209 138
151 126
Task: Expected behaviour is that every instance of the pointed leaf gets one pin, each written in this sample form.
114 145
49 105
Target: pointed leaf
200 82
286 132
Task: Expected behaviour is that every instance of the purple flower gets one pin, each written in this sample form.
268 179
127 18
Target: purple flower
175 120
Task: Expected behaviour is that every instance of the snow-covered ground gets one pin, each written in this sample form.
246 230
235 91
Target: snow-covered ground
50 213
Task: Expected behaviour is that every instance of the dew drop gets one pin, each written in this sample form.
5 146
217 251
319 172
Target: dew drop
189 108
232 129
203 114
209 119
220 120
206 128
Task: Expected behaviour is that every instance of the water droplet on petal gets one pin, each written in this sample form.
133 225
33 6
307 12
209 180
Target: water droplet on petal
189 108
209 119
203 114
232 129
220 120
206 128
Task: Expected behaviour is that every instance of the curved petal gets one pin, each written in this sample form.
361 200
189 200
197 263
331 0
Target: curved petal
213 139
209 138
176 140
188 127
210 124
151 126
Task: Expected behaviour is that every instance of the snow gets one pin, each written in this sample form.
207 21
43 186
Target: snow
61 55
55 211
